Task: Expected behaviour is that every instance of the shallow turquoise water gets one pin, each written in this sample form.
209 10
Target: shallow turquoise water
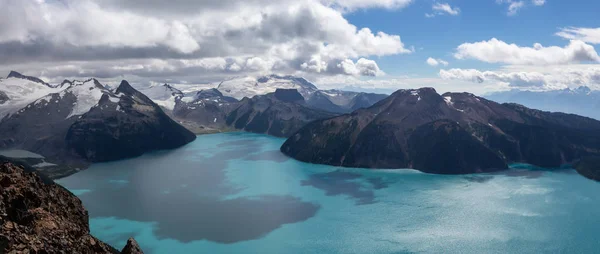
235 193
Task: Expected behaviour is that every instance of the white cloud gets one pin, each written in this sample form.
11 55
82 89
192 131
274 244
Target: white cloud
537 78
436 62
283 36
362 67
538 2
391 84
497 51
441 8
515 5
589 35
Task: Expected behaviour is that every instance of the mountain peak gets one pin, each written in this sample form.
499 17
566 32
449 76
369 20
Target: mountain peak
14 74
125 88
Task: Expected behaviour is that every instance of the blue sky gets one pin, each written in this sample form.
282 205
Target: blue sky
439 36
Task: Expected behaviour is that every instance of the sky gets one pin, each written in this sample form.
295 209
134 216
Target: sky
477 46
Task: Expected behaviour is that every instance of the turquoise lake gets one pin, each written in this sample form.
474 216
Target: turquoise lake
235 193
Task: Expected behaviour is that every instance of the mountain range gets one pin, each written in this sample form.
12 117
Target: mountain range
453 133
581 101
79 122
219 109
76 123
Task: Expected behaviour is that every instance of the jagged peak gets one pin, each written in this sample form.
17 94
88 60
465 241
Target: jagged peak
14 74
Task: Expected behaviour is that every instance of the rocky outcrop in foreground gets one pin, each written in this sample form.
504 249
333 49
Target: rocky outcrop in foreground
38 216
453 133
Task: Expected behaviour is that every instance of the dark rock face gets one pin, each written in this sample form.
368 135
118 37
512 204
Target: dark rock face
288 95
589 167
270 115
124 125
454 133
3 97
42 217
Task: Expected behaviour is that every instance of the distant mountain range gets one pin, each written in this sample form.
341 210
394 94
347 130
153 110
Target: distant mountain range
581 101
208 110
453 133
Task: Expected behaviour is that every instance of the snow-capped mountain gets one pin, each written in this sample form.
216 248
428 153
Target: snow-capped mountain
582 100
251 86
205 111
78 122
164 95
17 91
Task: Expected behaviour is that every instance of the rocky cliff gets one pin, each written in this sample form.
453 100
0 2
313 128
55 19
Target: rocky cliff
38 216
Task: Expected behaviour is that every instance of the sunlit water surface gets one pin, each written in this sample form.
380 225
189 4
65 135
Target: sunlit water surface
235 193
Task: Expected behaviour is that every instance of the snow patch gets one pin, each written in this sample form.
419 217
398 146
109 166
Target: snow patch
251 86
87 94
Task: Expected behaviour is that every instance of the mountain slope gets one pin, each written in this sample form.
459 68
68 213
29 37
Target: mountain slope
279 114
124 125
338 101
454 133
206 112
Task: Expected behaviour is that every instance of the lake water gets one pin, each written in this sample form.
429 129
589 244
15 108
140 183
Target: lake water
235 193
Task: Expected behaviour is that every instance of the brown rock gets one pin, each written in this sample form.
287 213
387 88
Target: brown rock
132 247
41 217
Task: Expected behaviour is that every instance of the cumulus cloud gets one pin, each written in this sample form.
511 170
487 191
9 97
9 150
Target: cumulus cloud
443 8
497 51
589 35
362 67
282 36
515 5
436 62
558 77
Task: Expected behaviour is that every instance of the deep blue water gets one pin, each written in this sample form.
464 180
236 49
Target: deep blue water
235 193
